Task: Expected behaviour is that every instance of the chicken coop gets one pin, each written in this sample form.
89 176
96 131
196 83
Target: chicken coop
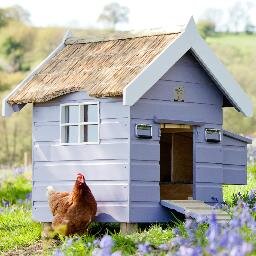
140 115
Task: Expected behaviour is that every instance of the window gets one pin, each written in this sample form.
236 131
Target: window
80 123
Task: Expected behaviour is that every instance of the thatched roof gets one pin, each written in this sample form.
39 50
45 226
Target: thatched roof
101 67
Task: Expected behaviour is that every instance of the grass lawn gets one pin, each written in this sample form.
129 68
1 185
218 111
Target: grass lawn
17 230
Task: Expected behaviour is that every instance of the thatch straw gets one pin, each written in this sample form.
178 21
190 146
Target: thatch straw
101 68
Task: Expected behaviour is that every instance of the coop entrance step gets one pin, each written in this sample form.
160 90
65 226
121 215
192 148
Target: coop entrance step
195 208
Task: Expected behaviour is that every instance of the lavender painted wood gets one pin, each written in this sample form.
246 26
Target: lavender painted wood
144 191
49 131
114 129
207 172
194 93
145 150
113 110
106 212
81 152
209 192
148 109
93 170
50 113
149 212
109 129
234 155
186 73
237 137
228 141
236 175
208 153
102 191
46 113
145 170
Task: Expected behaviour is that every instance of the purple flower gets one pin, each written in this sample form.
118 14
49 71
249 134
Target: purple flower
5 203
29 196
144 248
58 252
189 251
69 242
252 194
106 242
19 170
163 247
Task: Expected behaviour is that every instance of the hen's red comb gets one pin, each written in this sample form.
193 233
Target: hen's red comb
80 174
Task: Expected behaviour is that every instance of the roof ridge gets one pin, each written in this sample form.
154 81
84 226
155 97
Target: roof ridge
120 36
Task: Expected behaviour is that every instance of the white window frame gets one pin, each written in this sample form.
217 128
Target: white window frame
79 123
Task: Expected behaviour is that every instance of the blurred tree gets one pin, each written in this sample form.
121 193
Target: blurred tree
206 28
214 16
16 41
14 13
239 16
114 13
17 13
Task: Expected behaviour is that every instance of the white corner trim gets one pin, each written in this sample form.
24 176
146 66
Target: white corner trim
189 39
7 109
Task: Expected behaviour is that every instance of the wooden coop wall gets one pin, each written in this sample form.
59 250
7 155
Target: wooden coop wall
202 104
105 165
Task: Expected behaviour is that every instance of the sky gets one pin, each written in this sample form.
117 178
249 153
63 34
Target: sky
143 14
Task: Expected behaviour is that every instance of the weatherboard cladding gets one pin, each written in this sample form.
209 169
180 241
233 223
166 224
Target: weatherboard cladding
101 68
105 165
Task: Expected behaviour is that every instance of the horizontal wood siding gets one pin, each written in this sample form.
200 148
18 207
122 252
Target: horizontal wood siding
51 152
202 104
103 191
149 212
105 165
107 212
208 170
234 161
188 112
93 170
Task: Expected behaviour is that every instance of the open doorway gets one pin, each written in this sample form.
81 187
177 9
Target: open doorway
176 162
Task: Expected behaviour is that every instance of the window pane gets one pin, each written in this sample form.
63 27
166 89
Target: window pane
71 134
90 133
71 114
90 113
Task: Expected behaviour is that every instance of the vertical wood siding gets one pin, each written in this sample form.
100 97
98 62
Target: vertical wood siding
105 165
202 104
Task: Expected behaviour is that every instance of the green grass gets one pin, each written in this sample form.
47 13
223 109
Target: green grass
14 189
17 228
229 190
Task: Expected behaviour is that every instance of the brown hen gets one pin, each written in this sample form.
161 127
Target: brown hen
72 211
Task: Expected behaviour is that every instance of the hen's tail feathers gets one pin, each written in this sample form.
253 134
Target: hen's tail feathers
50 189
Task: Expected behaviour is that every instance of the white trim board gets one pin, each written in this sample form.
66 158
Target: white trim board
188 40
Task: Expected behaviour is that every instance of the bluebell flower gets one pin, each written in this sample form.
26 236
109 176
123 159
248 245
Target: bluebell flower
252 194
58 252
69 242
106 242
144 248
5 203
163 247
